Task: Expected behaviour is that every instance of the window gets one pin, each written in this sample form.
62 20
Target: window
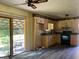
4 37
50 26
18 36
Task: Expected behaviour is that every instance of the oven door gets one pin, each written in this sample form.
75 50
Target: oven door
65 38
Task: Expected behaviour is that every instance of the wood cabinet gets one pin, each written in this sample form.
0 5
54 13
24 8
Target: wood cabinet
74 24
39 25
74 40
48 40
40 40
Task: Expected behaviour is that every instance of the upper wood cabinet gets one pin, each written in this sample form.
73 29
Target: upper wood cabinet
40 20
74 24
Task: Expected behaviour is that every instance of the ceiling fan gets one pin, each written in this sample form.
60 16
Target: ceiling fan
31 3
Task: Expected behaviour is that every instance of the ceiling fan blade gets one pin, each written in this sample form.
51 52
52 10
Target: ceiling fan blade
21 4
33 6
39 1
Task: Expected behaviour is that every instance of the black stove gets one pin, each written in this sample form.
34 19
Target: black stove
65 38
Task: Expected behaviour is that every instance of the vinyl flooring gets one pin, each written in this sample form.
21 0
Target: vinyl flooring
51 53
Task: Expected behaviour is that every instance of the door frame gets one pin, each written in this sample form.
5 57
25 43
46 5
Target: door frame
11 34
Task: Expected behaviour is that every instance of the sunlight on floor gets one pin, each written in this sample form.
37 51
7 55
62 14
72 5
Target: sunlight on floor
76 53
35 53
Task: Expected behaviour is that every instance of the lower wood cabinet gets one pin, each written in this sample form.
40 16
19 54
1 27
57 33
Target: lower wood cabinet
74 40
47 41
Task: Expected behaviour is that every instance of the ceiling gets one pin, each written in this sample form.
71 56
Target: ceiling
52 8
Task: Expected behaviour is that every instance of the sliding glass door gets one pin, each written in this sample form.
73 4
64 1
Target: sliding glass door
11 36
18 36
4 37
